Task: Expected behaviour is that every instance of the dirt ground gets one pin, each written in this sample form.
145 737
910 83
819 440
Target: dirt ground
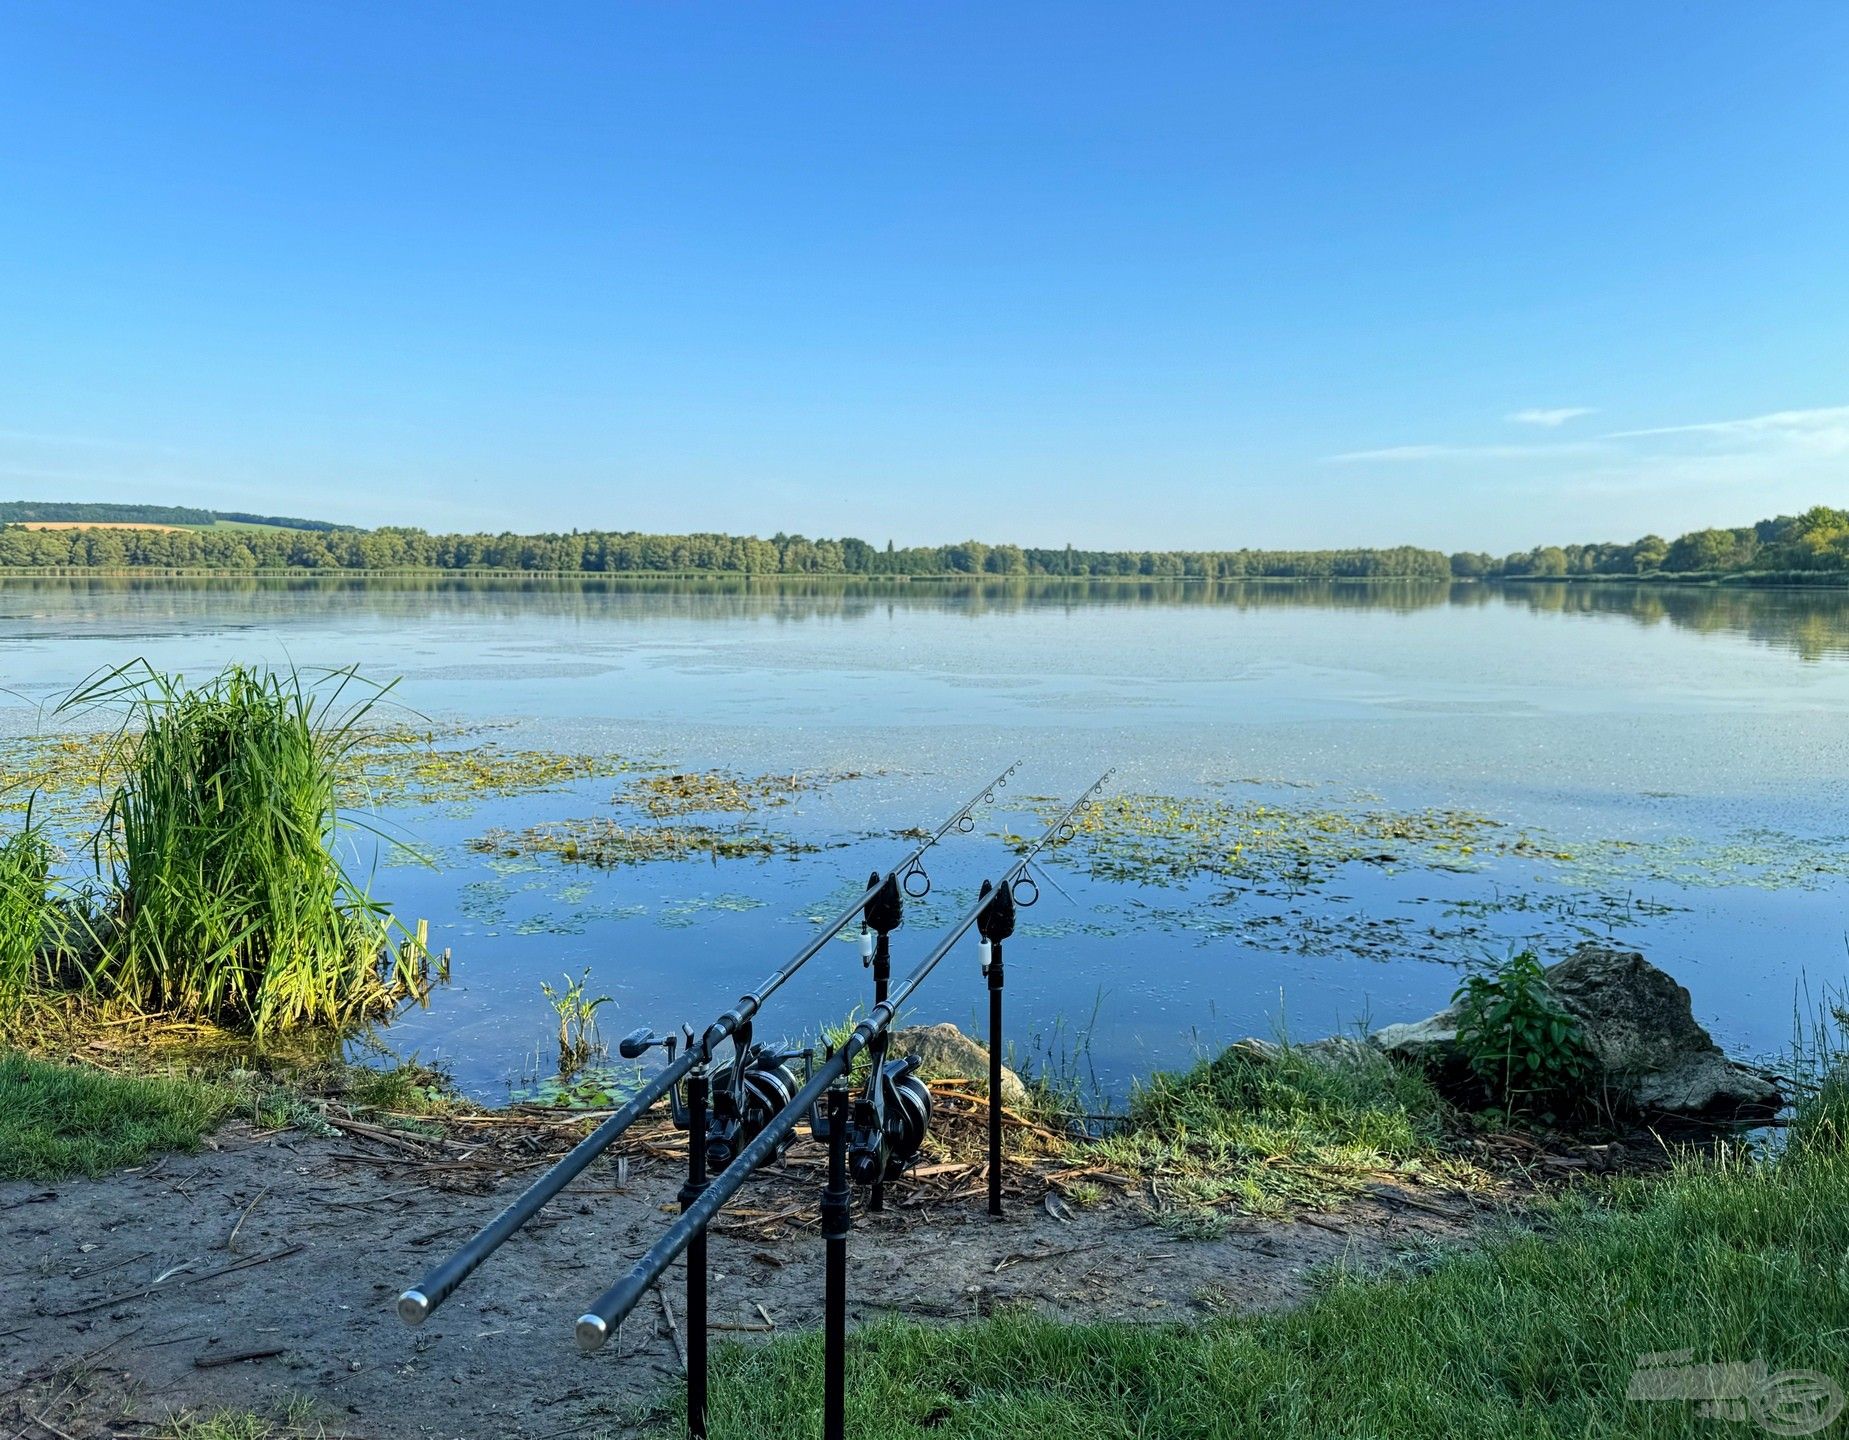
263 1272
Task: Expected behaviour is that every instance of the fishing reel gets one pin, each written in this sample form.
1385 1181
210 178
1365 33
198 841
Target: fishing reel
747 1096
887 1126
745 1092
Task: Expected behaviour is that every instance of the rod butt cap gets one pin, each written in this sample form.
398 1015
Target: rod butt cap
592 1332
413 1307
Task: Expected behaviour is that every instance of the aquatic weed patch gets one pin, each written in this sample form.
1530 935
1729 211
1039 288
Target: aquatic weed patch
1168 840
1401 920
72 775
1758 858
607 844
400 766
706 792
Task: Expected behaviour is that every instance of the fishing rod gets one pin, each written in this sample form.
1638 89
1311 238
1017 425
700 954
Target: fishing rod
596 1324
418 1303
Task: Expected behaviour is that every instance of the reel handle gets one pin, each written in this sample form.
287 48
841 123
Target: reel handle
638 1043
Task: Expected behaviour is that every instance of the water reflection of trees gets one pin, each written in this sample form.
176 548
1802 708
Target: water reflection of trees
1814 624
1811 623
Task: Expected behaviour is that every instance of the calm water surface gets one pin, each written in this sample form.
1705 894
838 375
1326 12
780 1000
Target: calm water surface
1691 740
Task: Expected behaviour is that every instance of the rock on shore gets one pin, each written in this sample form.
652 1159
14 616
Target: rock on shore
946 1053
1654 1056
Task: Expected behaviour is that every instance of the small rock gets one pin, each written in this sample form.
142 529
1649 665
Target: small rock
946 1053
1430 1039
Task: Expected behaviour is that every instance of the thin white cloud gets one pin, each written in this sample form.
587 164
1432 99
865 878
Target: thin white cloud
1462 452
1550 419
85 442
1781 434
1826 421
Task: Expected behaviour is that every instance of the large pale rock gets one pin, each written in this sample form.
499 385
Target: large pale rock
946 1053
1642 1028
1653 1056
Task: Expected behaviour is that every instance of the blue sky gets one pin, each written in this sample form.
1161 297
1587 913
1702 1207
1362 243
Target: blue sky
1469 275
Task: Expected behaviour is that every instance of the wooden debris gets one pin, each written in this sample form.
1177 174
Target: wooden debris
674 1329
212 1362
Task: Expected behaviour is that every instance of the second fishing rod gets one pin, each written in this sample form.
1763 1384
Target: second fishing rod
418 1303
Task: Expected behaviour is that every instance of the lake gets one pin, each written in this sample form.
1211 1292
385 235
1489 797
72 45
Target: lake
1329 798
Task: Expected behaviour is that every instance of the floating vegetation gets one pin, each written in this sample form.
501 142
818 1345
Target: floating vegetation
600 1085
680 914
607 844
73 775
399 766
58 774
706 792
1760 859
1169 840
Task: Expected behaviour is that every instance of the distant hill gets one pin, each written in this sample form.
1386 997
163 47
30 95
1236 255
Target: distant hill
72 512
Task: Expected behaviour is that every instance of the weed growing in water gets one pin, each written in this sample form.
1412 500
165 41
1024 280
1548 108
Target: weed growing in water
578 1039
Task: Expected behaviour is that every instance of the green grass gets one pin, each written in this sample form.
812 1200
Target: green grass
296 1419
1289 1126
63 1120
1527 1335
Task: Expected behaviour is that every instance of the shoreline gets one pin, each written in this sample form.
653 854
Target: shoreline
1821 580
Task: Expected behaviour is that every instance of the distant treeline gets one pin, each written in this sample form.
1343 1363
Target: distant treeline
606 552
1816 541
71 512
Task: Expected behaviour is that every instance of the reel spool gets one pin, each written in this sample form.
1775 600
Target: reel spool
744 1104
884 1136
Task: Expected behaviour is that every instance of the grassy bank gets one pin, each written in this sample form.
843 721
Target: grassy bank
63 1120
1530 1334
1263 1129
1530 1330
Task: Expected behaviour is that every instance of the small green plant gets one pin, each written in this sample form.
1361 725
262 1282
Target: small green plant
579 1042
1528 1052
836 1035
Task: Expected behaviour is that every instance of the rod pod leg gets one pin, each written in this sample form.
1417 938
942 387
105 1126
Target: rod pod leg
995 1078
697 1084
837 1220
882 980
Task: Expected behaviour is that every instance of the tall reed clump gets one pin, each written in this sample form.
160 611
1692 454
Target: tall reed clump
225 898
30 918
